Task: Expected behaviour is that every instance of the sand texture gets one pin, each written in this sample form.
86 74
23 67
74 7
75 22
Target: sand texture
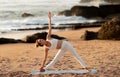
18 60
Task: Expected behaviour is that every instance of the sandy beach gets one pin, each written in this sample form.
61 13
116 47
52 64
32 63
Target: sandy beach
18 60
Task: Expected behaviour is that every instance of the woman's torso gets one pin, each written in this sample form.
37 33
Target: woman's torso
55 43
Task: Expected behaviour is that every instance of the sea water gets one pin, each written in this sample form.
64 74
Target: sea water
11 11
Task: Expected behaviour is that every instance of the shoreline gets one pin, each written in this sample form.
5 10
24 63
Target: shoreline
22 34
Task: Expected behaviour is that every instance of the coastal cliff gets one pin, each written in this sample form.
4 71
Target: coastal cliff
92 11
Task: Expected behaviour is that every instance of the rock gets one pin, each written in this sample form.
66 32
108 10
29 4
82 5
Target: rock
85 11
110 30
109 17
92 11
9 40
105 10
66 13
42 35
89 35
27 15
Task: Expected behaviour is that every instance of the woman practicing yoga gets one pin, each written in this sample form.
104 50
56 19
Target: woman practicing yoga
62 45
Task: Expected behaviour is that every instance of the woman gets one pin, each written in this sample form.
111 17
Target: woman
62 45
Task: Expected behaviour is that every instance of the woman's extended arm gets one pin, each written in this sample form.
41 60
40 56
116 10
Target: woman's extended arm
44 61
49 26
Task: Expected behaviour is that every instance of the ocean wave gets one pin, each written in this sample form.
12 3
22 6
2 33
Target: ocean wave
33 22
11 11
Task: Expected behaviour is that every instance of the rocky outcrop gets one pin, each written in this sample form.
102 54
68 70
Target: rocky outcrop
9 40
27 15
110 30
89 35
91 11
66 13
113 16
42 35
85 11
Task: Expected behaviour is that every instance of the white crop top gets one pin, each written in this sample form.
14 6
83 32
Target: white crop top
53 43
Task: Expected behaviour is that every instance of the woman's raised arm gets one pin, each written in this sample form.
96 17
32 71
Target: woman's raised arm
49 26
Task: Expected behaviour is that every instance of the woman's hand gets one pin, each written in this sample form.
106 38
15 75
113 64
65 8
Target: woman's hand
42 69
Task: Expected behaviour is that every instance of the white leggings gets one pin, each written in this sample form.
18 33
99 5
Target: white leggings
66 46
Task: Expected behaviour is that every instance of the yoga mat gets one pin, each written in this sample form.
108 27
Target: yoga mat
34 72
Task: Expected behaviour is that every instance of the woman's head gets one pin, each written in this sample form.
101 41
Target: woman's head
40 42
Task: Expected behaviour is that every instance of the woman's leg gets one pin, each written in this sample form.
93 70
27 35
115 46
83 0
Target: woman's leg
77 57
56 58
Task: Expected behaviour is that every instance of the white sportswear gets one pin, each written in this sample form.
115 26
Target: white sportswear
66 46
53 43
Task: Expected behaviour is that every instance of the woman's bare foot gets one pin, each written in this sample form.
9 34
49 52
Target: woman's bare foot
42 70
87 69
